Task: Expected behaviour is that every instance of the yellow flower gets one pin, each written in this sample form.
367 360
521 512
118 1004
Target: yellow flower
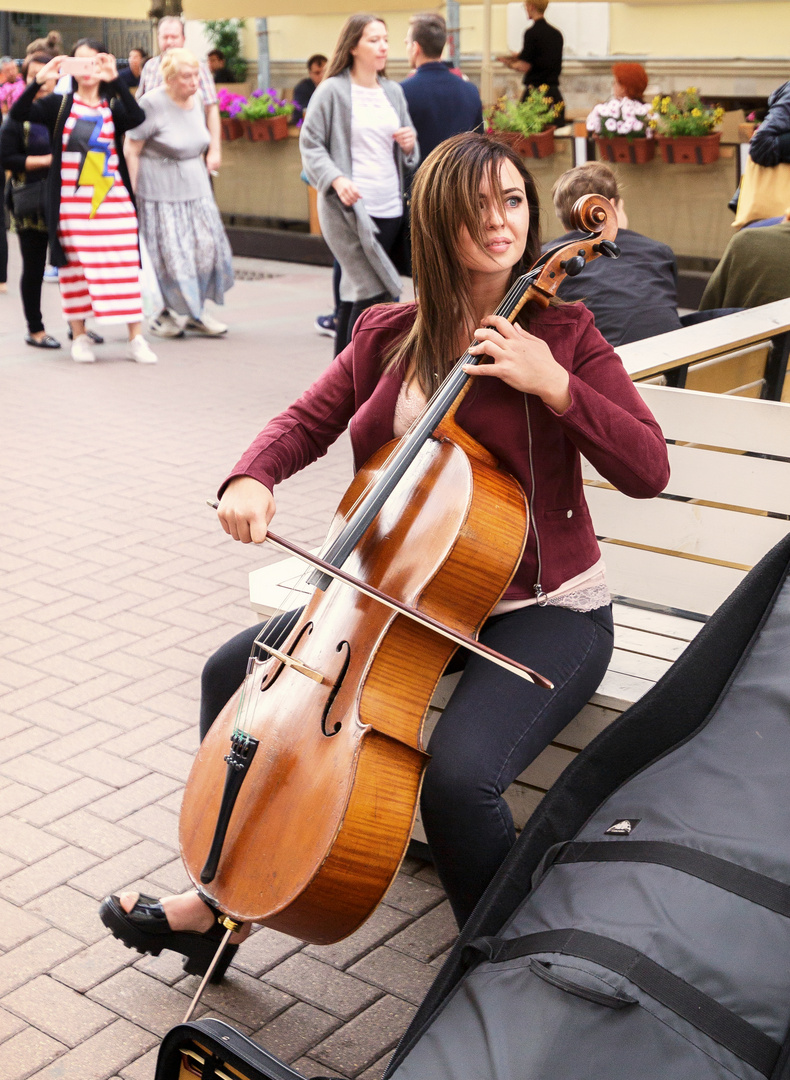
549 100
543 88
696 112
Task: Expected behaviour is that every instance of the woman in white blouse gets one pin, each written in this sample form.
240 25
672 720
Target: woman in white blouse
357 139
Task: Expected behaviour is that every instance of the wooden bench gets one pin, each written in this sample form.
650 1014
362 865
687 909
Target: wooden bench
744 354
670 561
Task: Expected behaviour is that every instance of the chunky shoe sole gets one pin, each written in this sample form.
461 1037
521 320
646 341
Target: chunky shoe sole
197 949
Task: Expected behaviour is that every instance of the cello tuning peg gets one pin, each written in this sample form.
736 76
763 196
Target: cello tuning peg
574 266
608 248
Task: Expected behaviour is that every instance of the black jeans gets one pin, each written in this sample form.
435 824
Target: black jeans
33 245
3 241
494 725
348 312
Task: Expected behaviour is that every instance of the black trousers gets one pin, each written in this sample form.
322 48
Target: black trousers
33 245
3 242
494 725
348 312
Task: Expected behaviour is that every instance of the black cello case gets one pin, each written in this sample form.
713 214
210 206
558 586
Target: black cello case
640 927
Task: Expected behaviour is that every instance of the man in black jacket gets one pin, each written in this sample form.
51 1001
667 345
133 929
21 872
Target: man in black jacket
770 144
540 59
440 104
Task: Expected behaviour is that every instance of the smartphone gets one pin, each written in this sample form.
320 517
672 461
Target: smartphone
78 65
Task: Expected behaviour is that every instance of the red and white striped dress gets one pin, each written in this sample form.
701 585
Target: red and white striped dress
97 228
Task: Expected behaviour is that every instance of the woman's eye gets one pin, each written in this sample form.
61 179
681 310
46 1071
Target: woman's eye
514 200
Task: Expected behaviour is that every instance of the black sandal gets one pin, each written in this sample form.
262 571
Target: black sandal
146 929
47 342
97 339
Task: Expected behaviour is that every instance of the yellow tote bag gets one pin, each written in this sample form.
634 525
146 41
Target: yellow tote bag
765 193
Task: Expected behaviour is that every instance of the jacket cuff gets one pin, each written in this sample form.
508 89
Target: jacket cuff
784 146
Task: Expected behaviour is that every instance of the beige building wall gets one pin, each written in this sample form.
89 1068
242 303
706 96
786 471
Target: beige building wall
725 29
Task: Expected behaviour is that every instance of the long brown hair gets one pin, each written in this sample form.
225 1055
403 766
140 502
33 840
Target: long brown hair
445 199
352 31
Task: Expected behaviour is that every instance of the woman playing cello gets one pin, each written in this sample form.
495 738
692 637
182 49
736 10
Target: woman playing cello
553 389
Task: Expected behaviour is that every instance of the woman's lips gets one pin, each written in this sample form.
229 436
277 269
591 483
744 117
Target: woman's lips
499 243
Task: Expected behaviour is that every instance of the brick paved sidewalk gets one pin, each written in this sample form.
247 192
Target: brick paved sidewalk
116 585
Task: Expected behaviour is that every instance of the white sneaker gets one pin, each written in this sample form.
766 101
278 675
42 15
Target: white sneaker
140 351
81 351
207 325
166 325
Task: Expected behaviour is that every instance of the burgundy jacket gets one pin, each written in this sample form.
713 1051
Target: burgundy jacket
607 421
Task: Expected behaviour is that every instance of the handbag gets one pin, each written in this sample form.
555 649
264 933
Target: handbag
29 200
765 193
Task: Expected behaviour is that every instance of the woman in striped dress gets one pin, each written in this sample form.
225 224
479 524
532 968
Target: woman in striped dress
90 211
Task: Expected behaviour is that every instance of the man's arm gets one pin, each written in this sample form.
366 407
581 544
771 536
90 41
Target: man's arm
515 63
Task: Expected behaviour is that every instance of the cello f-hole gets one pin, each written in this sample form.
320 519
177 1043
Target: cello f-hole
267 684
329 701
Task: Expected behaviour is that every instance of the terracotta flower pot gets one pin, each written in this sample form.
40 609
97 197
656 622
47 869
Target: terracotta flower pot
533 146
621 149
268 129
231 128
689 149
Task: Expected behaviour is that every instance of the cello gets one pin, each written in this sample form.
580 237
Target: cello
302 797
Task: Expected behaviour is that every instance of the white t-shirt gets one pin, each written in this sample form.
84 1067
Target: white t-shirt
373 168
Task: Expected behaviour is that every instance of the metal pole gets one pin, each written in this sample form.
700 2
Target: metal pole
5 33
264 66
454 32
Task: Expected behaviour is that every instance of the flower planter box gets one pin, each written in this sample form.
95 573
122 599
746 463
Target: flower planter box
532 146
269 129
689 149
231 128
623 150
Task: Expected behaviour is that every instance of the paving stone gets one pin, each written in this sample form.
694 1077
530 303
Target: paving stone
377 1069
9 1025
322 986
12 796
57 1010
108 768
114 1048
357 1045
95 964
56 718
59 803
78 742
156 823
143 1068
20 743
296 1031
411 895
143 1000
428 873
428 936
33 957
133 797
69 910
249 1001
17 925
264 949
172 877
43 775
307 1067
9 865
382 924
25 842
92 833
396 973
167 759
151 733
27 1053
45 874
168 967
116 873
91 690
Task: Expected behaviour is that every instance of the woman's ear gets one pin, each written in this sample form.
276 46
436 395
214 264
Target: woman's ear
622 217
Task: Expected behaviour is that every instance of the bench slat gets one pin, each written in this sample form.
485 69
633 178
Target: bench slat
668 581
715 420
706 531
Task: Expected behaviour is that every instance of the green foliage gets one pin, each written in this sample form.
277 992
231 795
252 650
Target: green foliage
685 114
528 117
264 104
224 35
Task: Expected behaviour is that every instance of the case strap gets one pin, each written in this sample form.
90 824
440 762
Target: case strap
703 1012
750 885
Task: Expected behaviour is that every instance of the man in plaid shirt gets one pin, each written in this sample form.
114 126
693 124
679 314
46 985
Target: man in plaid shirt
170 33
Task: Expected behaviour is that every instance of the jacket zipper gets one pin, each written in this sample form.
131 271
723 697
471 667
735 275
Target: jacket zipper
537 588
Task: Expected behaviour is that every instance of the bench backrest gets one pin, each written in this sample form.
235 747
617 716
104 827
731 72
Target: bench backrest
727 502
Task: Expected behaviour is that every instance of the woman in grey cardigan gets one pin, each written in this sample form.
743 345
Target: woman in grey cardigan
357 138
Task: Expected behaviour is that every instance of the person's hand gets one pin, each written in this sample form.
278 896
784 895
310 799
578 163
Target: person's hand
245 510
46 161
108 69
521 360
50 70
405 138
347 190
213 159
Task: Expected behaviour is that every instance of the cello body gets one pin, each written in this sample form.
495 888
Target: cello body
327 808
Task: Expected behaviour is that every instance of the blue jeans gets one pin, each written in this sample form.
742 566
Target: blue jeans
494 725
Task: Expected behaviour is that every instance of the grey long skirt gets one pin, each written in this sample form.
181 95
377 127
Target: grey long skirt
189 251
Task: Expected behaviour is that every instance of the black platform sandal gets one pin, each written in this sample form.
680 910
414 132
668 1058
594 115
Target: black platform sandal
146 929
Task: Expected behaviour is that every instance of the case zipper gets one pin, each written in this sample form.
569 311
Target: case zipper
537 588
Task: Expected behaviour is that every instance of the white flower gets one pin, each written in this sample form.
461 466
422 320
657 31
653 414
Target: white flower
610 125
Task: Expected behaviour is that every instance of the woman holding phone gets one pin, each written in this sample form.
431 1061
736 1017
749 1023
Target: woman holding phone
90 211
